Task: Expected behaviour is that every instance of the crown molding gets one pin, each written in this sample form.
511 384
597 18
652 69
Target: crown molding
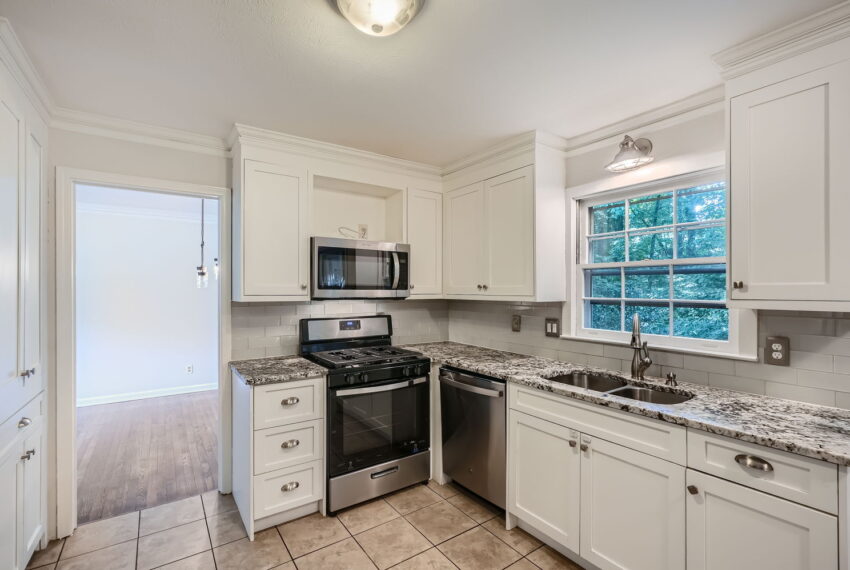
805 35
322 150
13 54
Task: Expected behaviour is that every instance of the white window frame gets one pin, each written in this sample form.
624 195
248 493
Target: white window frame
743 323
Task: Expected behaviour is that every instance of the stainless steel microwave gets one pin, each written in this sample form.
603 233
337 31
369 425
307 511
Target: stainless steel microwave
359 269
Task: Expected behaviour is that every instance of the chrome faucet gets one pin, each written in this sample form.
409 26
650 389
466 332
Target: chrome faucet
640 359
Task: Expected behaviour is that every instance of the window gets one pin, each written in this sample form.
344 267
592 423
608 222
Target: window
658 252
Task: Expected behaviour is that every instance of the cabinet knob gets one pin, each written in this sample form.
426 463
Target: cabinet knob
411 286
28 455
303 285
692 489
290 444
485 287
480 287
291 401
737 284
24 422
573 443
291 486
584 447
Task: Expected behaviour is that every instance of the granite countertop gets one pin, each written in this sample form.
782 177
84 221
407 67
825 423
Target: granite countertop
819 432
276 369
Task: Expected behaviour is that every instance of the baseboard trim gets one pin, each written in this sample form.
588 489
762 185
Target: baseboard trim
129 396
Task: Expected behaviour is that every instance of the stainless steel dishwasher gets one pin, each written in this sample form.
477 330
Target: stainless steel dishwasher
473 421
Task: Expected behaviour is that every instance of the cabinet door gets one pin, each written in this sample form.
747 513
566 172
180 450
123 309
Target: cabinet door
425 235
509 207
31 265
632 509
9 499
789 176
464 250
544 479
32 507
275 246
732 527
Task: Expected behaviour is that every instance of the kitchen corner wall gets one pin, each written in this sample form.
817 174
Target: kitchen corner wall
271 329
820 350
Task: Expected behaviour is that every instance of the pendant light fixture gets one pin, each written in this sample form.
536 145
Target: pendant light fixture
203 278
379 17
632 154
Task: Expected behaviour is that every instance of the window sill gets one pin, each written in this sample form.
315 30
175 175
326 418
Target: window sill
676 349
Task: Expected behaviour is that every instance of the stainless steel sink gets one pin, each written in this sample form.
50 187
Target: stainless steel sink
650 395
593 382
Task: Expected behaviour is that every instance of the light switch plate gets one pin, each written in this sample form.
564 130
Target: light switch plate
777 350
516 323
553 327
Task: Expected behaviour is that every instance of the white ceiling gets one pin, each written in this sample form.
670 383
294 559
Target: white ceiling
464 75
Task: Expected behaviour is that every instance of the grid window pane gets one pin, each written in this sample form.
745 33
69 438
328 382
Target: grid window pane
700 282
701 203
604 282
695 321
607 218
656 245
601 315
702 242
651 211
648 282
654 318
607 250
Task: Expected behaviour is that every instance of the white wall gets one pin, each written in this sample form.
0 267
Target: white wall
141 320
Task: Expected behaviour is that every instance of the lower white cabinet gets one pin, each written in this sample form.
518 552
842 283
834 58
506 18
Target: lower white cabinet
732 527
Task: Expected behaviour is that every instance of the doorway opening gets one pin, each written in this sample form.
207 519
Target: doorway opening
147 326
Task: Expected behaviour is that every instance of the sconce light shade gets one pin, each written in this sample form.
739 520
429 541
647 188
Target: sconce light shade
379 17
632 154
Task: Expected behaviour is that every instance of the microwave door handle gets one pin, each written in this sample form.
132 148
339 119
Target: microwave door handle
376 389
396 270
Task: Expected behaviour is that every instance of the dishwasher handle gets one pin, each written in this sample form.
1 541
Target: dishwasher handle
451 379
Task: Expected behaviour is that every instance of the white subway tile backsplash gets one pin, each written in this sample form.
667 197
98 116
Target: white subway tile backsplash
751 385
842 364
825 380
801 393
708 364
782 374
821 344
811 361
685 375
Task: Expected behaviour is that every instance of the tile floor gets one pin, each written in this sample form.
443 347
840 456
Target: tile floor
420 527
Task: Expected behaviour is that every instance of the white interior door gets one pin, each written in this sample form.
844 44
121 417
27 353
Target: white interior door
464 250
425 235
509 207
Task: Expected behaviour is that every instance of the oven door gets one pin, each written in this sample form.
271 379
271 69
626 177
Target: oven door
376 423
357 269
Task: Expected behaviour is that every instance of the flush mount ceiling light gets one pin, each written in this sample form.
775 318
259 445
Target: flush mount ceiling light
379 17
633 153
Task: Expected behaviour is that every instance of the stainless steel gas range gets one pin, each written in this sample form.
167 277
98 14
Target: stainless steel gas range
378 412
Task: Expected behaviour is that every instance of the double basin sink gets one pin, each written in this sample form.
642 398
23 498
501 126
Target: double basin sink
613 386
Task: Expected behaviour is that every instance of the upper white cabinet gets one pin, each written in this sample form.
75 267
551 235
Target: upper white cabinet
425 236
789 174
504 224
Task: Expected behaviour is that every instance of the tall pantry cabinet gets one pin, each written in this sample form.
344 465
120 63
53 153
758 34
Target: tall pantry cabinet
23 141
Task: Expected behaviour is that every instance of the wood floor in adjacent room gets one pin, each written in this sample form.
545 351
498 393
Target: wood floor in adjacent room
140 454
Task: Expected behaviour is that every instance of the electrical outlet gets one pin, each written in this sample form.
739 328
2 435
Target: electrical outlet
553 327
190 369
363 230
777 350
516 323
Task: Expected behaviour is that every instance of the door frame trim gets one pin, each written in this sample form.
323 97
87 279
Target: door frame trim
64 507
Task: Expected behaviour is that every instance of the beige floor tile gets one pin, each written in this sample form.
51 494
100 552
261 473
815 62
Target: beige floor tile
392 543
226 527
522 564
445 491
311 533
431 559
216 503
100 534
477 549
117 557
473 507
173 544
344 555
366 516
548 559
516 538
48 567
202 561
440 521
286 566
412 499
47 555
267 551
170 515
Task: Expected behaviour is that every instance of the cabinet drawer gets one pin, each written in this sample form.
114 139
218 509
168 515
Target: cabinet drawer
276 448
21 423
288 403
661 439
303 481
16 392
800 479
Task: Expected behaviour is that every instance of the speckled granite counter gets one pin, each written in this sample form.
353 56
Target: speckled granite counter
810 430
276 369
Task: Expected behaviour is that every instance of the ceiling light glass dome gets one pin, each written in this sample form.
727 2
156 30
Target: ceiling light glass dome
379 17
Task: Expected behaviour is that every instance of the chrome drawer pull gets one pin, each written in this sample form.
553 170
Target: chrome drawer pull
24 422
572 443
291 486
291 401
753 462
290 444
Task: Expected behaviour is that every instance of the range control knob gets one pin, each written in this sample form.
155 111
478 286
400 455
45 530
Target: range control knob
406 371
364 377
422 369
349 378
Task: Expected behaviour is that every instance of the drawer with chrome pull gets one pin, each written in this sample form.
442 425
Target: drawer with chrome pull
286 489
288 403
21 423
794 477
276 448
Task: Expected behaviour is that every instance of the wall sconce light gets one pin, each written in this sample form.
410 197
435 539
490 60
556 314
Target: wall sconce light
633 153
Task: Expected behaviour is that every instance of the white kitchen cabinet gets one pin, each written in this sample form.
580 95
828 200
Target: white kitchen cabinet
732 527
464 246
632 508
425 236
544 482
10 532
32 483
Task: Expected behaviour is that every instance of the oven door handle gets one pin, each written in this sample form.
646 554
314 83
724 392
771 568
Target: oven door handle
396 270
469 388
377 389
